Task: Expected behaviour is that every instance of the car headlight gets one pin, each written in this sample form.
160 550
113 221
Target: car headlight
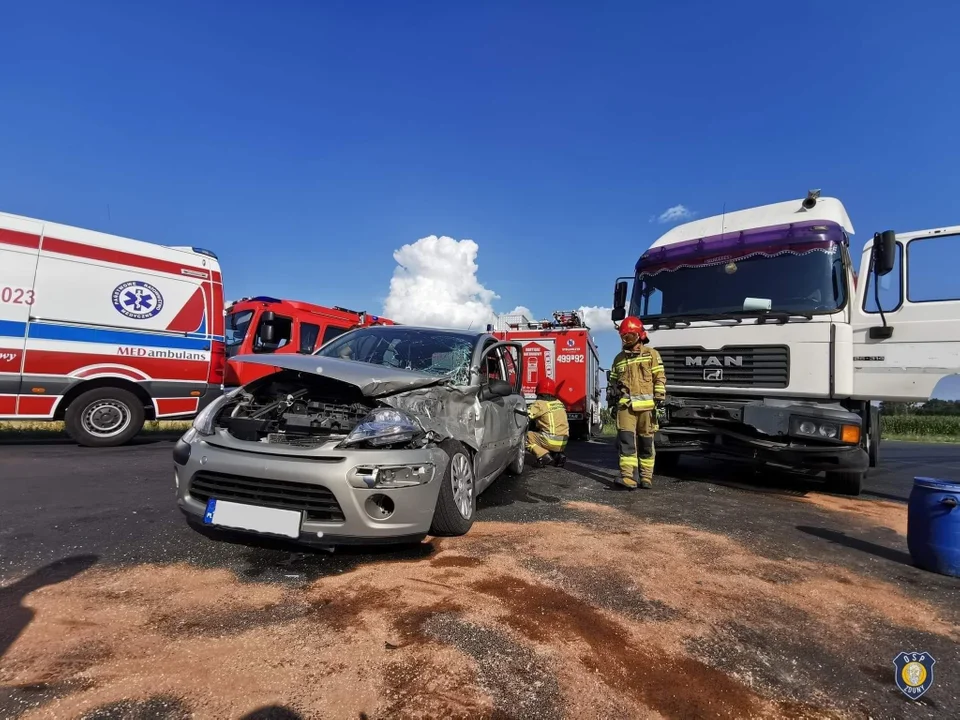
203 423
384 426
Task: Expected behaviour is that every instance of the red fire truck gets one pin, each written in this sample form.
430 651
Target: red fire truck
270 325
561 349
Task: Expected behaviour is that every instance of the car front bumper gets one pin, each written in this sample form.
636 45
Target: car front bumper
258 472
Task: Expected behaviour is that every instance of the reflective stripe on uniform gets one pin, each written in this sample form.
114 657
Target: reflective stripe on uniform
638 402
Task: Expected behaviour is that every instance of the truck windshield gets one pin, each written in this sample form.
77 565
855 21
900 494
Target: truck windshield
428 351
237 324
794 283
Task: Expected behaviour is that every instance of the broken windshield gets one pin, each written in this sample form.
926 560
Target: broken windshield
434 352
802 283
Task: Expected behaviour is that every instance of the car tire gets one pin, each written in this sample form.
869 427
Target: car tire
104 417
519 461
457 499
845 482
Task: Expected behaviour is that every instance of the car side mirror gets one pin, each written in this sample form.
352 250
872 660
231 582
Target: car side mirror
884 252
496 388
619 311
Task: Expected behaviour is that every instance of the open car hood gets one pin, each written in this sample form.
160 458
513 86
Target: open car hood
372 380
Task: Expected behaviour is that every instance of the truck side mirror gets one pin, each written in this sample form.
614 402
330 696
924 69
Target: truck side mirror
619 302
884 252
267 331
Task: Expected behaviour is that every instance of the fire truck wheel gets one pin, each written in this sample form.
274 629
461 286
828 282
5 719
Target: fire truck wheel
580 430
104 417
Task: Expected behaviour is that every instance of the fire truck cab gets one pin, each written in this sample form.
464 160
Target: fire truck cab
270 325
561 349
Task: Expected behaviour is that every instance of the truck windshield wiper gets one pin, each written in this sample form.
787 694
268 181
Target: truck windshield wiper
689 318
782 317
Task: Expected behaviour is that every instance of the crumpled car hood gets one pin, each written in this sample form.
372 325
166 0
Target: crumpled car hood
372 380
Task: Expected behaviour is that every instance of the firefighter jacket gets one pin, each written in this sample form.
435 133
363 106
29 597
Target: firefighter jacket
638 378
551 418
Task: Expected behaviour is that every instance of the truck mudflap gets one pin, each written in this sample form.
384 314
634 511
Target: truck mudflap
767 431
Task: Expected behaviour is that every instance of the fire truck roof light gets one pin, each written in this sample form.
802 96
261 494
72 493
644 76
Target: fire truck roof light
265 298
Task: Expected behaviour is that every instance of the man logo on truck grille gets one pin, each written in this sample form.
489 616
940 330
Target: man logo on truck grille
137 300
714 361
713 374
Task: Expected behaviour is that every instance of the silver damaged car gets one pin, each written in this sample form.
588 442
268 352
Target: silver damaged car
384 435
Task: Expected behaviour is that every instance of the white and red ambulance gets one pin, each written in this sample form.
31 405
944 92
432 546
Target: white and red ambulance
104 332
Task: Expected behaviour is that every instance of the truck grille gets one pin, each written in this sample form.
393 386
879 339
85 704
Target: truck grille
766 366
315 500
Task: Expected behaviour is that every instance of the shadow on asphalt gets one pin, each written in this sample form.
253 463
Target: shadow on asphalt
266 559
14 617
864 546
273 712
14 439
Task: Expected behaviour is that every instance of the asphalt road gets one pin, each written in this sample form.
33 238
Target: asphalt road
67 511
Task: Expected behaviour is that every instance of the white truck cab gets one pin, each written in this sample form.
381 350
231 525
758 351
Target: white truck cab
775 347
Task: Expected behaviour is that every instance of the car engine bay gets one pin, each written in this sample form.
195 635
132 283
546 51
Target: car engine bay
295 409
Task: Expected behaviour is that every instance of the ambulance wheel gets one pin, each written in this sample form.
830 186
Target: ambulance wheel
104 417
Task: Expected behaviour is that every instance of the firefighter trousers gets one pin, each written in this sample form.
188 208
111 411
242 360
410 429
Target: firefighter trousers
635 430
542 444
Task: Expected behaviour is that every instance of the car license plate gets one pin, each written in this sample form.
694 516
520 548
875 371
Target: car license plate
252 517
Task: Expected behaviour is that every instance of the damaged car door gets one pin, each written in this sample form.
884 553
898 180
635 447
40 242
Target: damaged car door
502 406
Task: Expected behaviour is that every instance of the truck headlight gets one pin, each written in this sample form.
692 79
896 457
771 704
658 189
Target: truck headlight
825 430
204 422
384 426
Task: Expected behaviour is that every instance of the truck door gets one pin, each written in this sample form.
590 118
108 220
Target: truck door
19 249
903 354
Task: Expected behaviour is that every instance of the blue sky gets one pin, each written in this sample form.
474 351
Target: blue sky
305 142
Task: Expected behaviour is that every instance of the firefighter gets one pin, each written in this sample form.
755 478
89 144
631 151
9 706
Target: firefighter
549 417
637 387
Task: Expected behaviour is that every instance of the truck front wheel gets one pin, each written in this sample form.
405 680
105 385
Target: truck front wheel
104 417
845 482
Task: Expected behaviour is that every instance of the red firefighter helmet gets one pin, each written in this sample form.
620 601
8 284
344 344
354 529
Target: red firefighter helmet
633 325
546 386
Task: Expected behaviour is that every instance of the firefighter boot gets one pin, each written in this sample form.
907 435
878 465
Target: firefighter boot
559 459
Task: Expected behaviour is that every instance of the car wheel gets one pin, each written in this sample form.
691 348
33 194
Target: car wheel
519 461
457 500
104 417
844 482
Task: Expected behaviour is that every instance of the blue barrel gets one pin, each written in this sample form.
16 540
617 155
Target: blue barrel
933 525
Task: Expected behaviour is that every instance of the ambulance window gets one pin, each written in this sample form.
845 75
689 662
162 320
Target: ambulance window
331 332
308 337
891 288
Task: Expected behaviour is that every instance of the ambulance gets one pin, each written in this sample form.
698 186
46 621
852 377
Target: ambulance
105 332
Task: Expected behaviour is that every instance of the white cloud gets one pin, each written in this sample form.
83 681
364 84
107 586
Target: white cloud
523 310
677 213
436 285
597 318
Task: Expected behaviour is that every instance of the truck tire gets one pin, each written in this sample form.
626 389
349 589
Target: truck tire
666 462
457 499
845 482
873 437
104 417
